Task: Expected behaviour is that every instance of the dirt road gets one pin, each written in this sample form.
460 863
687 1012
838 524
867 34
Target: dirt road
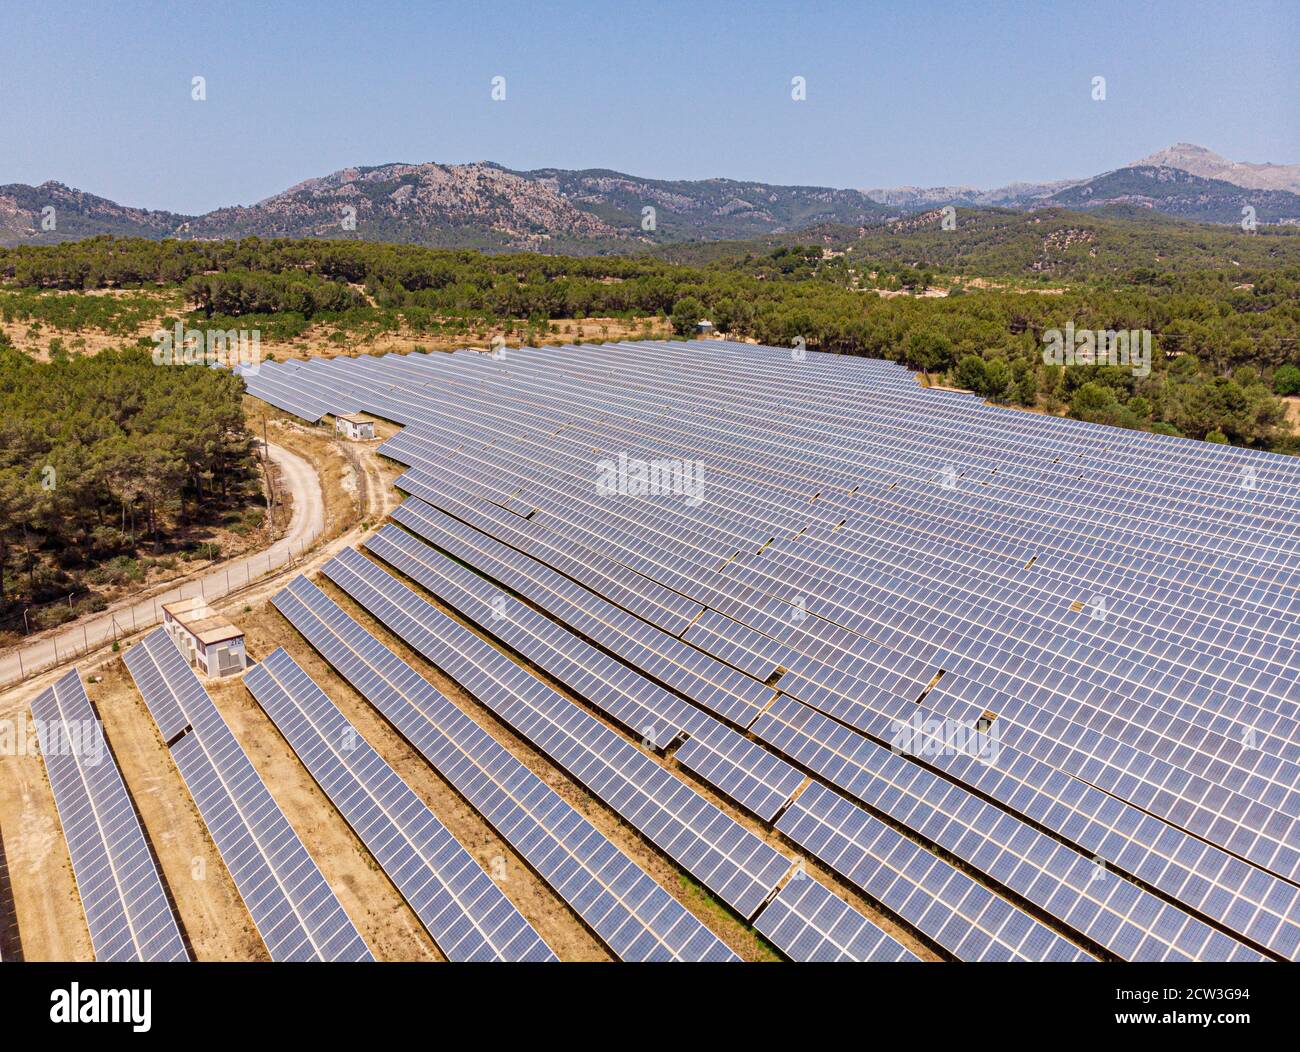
97 630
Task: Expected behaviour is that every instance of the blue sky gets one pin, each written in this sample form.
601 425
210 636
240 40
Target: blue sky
97 95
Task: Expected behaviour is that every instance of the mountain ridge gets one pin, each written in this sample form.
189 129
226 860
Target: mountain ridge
487 206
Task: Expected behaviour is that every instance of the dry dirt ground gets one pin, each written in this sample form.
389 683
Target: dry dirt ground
87 340
314 342
1293 411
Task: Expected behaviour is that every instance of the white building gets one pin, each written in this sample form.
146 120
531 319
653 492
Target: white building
357 428
210 643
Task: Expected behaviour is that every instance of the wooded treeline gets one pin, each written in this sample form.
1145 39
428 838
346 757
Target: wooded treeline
107 455
1222 339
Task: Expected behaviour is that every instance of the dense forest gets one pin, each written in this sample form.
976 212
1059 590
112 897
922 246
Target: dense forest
105 460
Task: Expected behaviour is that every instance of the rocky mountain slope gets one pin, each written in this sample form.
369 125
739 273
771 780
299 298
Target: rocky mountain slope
597 210
1189 157
75 214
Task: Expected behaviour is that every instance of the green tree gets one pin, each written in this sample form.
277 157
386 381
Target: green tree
687 314
1286 380
970 373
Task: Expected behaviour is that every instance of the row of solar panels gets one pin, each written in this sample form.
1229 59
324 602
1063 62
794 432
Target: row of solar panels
1269 851
446 356
585 468
295 911
759 362
463 910
748 649
824 386
1262 909
127 911
734 765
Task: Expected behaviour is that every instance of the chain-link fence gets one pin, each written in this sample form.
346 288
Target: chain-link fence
97 630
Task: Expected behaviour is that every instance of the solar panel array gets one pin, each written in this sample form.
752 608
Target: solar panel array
617 900
463 910
279 388
731 762
127 911
740 868
1119 607
295 911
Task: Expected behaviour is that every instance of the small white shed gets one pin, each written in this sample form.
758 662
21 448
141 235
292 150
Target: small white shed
209 642
357 428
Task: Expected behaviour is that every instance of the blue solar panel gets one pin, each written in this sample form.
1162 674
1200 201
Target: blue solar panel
121 890
1090 899
808 922
733 863
703 679
466 913
646 708
942 902
631 914
1120 603
296 913
755 778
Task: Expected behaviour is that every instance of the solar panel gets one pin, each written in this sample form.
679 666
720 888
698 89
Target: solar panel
296 913
650 711
630 913
733 863
705 680
464 912
808 922
745 772
127 911
279 385
756 779
158 670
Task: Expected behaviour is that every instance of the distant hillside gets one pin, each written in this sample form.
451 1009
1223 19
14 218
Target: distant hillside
1175 192
1209 165
1051 243
481 206
599 211
76 215
1014 195
470 205
1178 180
707 209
